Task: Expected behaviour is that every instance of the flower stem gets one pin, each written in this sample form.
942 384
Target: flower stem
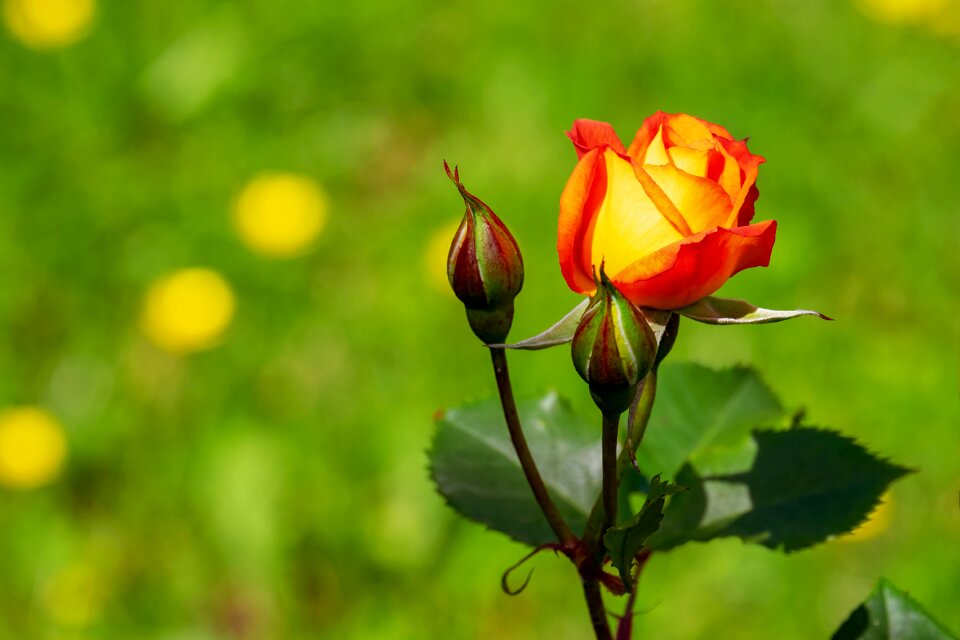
640 414
599 518
549 508
611 425
625 628
598 614
602 517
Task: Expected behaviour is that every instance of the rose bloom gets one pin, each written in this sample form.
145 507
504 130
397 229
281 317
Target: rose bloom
669 216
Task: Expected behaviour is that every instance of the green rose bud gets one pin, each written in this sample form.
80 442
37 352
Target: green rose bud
613 348
484 267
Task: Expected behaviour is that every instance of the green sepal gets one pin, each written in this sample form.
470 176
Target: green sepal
712 310
562 331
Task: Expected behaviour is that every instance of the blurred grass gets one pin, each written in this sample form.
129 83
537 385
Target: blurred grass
275 485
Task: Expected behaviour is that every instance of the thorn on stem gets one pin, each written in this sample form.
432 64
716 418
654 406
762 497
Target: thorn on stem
798 417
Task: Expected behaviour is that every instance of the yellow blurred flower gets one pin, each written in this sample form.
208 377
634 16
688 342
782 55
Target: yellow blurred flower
32 448
48 24
900 11
947 21
75 596
279 215
435 257
188 310
878 522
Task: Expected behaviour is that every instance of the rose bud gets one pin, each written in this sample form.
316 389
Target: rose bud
484 267
613 347
670 215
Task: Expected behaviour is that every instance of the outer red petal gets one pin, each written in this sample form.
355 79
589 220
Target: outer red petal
579 202
749 168
645 135
686 271
590 134
718 130
747 210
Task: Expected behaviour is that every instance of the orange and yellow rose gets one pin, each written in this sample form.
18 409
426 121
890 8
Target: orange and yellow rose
669 216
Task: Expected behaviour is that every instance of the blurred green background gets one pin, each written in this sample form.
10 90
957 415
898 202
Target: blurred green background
237 450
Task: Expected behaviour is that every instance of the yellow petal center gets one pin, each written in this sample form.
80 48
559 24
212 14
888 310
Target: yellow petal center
628 225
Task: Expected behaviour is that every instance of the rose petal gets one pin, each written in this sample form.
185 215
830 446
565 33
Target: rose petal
702 203
682 273
607 216
749 164
628 224
696 162
649 130
657 151
681 129
590 134
662 131
725 171
718 130
581 197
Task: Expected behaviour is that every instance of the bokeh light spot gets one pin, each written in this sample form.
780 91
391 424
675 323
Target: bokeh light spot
75 596
188 310
900 11
278 215
435 257
877 523
32 448
48 24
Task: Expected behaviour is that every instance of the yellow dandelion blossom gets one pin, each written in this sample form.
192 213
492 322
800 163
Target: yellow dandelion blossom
900 11
278 215
188 310
947 22
48 24
435 257
32 448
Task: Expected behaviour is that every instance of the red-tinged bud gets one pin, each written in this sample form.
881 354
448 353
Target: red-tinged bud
484 267
613 348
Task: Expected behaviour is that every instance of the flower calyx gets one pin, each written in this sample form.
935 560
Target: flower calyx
613 348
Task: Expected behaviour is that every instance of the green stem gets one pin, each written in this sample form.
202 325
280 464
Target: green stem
640 414
611 425
549 508
603 516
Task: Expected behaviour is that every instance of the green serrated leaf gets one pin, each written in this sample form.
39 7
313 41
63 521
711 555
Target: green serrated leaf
624 542
474 466
705 415
804 486
712 310
890 614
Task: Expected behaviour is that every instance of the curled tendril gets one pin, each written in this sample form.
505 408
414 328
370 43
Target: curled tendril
504 581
